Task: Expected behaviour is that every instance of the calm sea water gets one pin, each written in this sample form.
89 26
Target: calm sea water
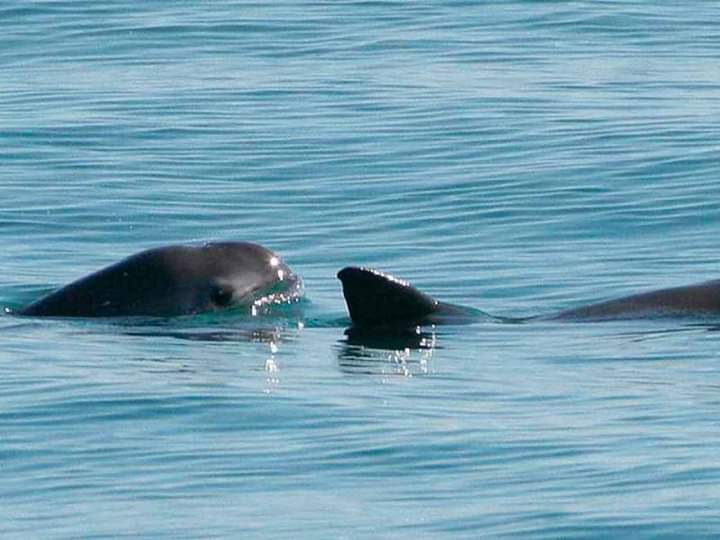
518 157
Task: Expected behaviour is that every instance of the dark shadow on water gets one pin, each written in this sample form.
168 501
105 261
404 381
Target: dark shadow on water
390 338
271 325
386 351
254 335
215 327
410 352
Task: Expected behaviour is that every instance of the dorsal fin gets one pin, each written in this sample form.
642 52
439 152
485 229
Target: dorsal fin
376 298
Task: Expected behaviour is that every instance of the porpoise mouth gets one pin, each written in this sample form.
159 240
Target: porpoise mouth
288 290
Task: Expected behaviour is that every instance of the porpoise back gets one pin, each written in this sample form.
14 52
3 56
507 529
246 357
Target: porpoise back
375 298
699 300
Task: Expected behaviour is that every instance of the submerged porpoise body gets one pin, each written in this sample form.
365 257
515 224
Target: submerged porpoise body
177 280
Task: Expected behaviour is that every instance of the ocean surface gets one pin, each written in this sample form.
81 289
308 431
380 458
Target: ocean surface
518 157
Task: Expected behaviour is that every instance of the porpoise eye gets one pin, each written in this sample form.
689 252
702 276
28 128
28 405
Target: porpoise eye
221 296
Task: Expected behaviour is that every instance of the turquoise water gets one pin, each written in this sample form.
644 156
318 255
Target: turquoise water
518 157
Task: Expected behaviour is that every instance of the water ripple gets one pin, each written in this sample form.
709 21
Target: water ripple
518 157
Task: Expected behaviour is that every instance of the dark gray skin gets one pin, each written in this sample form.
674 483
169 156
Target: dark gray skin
378 299
176 280
699 300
